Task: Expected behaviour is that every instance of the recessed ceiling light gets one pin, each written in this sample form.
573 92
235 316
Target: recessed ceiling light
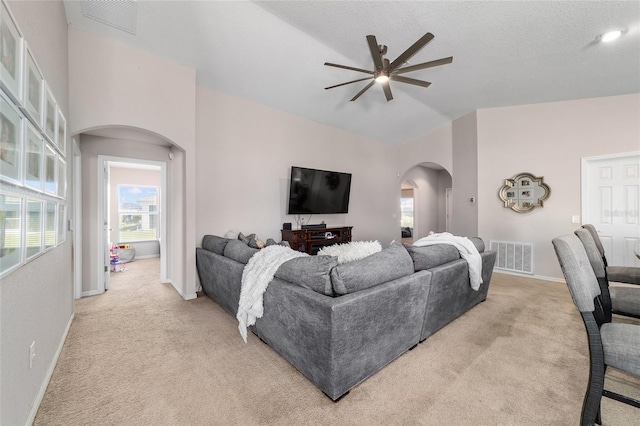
610 36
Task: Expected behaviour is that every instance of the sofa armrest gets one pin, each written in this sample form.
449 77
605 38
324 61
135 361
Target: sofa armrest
220 278
338 342
451 294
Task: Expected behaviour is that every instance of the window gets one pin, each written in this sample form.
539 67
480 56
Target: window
138 213
10 239
32 166
406 212
50 225
34 227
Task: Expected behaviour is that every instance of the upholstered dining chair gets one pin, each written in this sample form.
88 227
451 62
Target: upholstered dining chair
620 274
621 300
614 345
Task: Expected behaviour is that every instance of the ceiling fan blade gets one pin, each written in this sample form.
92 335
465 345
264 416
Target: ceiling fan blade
410 81
424 65
415 48
363 90
375 51
348 82
387 90
329 64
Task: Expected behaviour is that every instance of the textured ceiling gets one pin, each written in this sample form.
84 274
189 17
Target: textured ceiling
504 53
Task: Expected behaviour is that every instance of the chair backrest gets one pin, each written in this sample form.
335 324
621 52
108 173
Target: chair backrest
597 264
577 271
596 239
593 253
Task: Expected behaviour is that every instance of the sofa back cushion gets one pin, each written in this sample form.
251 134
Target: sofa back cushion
214 243
239 251
479 243
312 272
391 263
427 257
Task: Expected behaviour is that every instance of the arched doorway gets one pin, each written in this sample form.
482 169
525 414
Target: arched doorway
428 183
123 144
408 192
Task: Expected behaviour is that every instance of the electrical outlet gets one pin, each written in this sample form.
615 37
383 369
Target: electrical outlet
32 354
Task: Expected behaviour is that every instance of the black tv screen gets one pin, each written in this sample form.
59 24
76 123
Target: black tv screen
314 191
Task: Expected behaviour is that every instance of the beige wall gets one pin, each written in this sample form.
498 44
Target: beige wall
434 147
464 212
245 154
115 85
36 300
547 140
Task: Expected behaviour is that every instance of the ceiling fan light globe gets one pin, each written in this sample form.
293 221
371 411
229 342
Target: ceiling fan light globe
382 78
610 36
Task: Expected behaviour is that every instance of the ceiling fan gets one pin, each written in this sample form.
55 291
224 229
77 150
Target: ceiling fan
385 71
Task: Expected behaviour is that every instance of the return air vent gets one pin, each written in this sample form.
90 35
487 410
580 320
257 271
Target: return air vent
513 256
120 14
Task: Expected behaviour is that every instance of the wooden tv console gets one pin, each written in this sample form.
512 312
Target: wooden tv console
313 239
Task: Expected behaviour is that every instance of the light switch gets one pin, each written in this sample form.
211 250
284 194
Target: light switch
575 218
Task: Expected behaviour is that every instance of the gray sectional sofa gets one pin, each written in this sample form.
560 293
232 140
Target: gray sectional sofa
340 323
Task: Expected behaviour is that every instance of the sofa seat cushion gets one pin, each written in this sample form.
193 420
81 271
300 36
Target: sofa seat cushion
239 251
427 257
214 243
312 272
391 263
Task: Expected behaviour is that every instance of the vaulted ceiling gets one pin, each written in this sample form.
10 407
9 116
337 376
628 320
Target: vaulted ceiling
272 53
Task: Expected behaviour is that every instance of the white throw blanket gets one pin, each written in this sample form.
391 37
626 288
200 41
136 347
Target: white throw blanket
467 249
256 276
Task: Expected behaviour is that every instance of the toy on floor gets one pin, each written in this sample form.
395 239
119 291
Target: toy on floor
116 263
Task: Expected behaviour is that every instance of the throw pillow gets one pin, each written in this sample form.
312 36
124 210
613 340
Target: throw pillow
391 263
350 252
245 238
270 242
232 234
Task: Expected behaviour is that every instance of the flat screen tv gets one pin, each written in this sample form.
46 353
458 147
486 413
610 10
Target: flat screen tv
314 191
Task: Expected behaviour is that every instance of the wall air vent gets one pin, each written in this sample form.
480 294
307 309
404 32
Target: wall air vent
513 256
120 14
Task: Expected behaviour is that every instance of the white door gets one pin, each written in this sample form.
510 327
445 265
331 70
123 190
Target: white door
77 219
448 208
106 231
611 191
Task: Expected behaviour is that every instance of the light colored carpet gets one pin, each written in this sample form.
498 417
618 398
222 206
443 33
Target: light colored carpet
140 355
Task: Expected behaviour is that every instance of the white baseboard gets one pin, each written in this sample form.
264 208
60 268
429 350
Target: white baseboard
47 379
90 293
537 277
148 256
179 290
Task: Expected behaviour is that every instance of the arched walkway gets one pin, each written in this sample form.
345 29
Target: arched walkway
428 183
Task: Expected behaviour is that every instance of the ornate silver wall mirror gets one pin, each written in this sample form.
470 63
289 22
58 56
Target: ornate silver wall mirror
524 192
